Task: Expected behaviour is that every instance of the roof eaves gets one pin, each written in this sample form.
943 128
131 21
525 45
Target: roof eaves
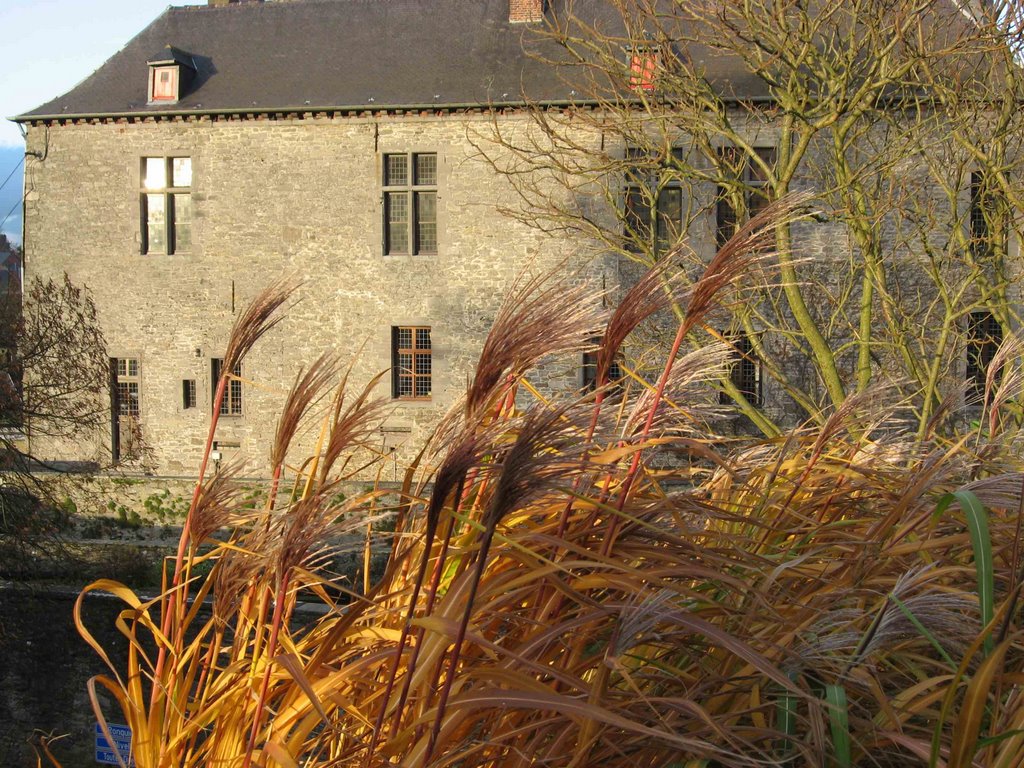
306 108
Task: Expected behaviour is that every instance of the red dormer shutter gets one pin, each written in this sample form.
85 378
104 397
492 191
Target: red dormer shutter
643 66
165 84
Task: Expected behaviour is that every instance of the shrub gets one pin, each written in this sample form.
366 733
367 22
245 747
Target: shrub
837 597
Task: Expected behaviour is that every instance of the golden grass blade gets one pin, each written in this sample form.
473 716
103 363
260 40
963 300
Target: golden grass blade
967 726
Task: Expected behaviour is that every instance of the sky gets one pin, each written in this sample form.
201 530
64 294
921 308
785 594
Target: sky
47 47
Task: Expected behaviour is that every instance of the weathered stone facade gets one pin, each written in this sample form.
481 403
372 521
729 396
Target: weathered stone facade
277 199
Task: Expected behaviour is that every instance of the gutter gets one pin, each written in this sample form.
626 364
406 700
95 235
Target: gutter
306 108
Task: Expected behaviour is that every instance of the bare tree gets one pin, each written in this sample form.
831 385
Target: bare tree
900 115
55 371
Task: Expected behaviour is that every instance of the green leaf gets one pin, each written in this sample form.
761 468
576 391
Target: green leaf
977 525
923 630
785 719
839 722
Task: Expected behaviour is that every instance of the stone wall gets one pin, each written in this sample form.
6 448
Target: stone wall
302 198
278 199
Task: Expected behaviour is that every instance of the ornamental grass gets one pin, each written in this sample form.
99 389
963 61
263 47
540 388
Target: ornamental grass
595 580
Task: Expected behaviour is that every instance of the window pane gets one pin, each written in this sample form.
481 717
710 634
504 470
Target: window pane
396 170
984 335
422 338
422 386
405 338
638 216
757 201
128 398
133 367
405 385
423 365
426 222
405 363
589 370
670 217
181 171
725 218
767 154
235 400
397 212
155 173
426 170
188 393
182 222
156 241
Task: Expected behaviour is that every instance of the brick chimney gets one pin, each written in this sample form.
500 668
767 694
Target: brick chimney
525 11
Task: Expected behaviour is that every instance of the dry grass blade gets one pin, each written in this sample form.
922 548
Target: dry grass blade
539 317
684 402
352 423
652 293
258 318
309 385
702 619
216 506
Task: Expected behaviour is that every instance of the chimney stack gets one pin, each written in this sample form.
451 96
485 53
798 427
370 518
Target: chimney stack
525 11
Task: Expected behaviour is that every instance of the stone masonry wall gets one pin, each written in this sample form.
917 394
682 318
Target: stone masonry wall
273 199
303 199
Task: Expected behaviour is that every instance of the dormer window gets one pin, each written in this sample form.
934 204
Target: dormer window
644 63
165 84
170 73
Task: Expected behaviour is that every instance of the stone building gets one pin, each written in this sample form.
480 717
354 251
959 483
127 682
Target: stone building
232 144
333 141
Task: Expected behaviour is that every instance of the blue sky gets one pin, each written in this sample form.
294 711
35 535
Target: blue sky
48 47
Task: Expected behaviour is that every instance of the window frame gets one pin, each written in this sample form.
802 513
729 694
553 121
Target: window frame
126 408
645 214
727 220
987 226
644 68
400 375
746 370
233 404
588 368
156 95
414 193
980 350
170 193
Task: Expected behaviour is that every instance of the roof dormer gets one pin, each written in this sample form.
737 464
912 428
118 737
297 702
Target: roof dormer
170 74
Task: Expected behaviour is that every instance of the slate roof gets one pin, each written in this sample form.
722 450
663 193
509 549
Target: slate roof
309 55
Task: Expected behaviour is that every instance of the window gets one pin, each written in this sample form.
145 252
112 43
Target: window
744 372
411 363
10 385
165 84
166 201
988 208
654 201
644 63
753 187
231 405
188 393
410 203
590 368
127 387
984 335
126 438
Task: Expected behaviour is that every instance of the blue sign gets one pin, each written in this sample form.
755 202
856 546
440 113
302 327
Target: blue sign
106 753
